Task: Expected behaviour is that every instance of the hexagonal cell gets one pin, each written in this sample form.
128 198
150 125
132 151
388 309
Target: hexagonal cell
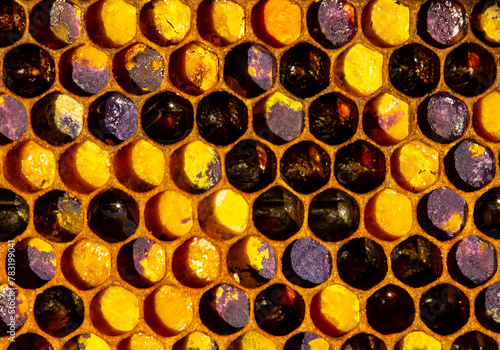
113 118
278 118
140 166
278 214
386 119
305 70
277 22
35 261
111 23
362 263
474 340
30 341
221 118
415 166
418 339
388 215
442 213
224 214
486 116
59 311
14 119
442 23
58 216
221 22
86 264
364 341
169 215
487 213
56 24
486 305
251 262
386 22
414 70
444 118
250 166
332 23
485 21
250 69
279 309
360 167
86 340
84 70
306 167
195 167
307 263
333 215
453 306
165 22
167 118
113 215
14 216
225 309
171 310
104 308
416 261
193 69
333 118
139 69
30 167
472 261
469 165
15 300
196 263
13 24
196 338
306 340
335 310
469 70
57 118
360 69
247 341
28 70
390 309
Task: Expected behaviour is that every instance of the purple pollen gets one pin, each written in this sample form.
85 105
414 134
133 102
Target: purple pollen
446 118
476 259
336 23
40 263
310 260
120 116
232 306
285 122
13 118
443 205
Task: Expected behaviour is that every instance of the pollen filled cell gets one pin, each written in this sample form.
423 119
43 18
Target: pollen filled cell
386 22
140 166
30 167
195 167
221 22
388 215
196 263
85 70
335 310
85 167
194 69
277 22
224 214
165 22
111 23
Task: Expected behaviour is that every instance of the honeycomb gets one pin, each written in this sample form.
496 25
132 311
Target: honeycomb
344 205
